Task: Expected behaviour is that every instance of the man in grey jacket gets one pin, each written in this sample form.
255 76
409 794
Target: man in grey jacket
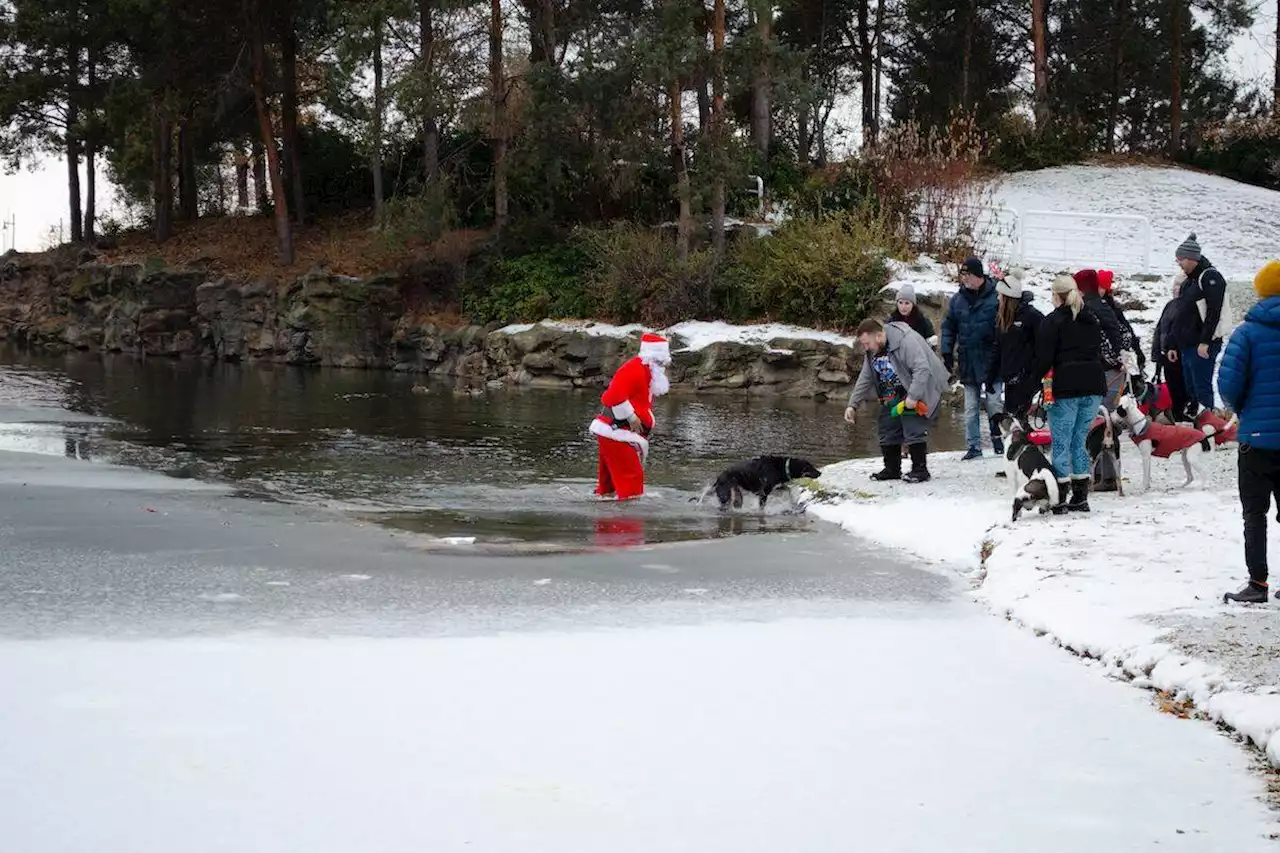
905 376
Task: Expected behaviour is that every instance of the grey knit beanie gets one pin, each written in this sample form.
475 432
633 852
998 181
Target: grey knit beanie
1189 250
907 293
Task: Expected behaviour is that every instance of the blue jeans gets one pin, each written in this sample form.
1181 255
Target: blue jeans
1198 373
1069 422
972 405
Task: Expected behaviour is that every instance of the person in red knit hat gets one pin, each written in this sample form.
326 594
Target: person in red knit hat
622 430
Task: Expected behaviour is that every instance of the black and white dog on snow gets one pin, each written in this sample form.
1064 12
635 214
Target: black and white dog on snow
761 477
1028 470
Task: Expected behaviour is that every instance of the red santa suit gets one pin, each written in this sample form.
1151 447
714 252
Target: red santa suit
622 430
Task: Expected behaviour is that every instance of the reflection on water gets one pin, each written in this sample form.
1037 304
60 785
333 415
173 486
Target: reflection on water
507 465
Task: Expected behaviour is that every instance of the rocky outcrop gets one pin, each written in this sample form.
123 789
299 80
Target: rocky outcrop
322 319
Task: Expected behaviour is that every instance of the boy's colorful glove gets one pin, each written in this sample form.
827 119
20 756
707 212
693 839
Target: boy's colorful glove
898 409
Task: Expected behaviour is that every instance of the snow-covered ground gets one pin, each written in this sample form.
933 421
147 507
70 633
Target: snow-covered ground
911 734
1122 584
1234 222
696 334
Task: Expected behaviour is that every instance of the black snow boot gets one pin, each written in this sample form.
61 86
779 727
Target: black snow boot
1060 507
1079 494
919 472
892 470
1250 593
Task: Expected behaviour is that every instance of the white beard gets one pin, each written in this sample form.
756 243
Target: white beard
658 382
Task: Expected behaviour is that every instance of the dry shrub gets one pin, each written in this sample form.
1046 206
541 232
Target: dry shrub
824 272
637 275
931 187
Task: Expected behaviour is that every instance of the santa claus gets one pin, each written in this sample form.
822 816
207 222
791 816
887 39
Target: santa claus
623 428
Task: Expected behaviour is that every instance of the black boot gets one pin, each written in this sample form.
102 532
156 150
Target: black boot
1250 593
997 441
892 470
919 472
1061 506
1079 494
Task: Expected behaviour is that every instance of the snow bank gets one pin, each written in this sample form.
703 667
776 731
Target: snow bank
1096 584
696 334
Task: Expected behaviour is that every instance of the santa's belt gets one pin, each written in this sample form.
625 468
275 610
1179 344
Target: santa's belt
621 424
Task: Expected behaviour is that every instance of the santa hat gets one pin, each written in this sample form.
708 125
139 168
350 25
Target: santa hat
655 348
1087 281
1106 279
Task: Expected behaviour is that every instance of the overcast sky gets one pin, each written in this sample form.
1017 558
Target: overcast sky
38 200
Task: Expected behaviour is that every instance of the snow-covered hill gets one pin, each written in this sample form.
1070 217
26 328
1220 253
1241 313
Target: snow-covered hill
1238 225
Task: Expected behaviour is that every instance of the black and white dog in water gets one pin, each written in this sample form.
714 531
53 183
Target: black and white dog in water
1028 470
761 477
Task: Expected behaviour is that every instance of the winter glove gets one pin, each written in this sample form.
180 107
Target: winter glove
949 362
991 388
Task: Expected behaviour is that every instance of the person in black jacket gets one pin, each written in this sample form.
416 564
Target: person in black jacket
907 311
1070 344
1198 322
1162 347
1112 336
1013 361
1129 338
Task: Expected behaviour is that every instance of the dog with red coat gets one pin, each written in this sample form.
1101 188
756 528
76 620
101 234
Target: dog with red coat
622 430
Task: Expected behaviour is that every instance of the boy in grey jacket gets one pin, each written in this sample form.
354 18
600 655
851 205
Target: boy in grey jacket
906 377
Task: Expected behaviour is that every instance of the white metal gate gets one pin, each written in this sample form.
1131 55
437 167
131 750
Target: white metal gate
1072 239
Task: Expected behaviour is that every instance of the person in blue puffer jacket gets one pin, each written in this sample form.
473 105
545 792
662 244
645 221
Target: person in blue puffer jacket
1249 382
970 328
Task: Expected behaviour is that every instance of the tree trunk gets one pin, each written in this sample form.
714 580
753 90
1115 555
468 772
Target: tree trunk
430 125
704 105
1117 57
91 157
684 226
1175 79
498 124
289 118
188 189
761 80
1040 42
867 73
259 175
90 194
966 53
73 188
242 181
162 169
1275 91
718 194
72 143
379 112
879 31
280 201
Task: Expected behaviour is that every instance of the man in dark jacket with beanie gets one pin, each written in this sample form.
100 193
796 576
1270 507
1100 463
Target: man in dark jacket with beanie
970 327
1198 322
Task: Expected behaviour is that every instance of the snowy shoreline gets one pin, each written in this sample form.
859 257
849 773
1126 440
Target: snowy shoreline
1126 585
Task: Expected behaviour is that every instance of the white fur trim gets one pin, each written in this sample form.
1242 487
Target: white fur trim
655 351
613 433
624 410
